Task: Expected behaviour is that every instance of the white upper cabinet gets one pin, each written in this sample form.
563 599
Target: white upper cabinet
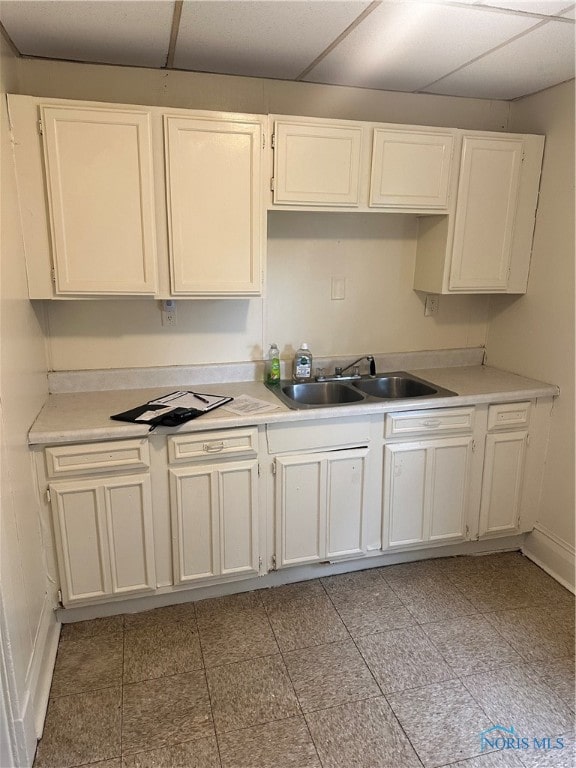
100 192
410 169
317 164
485 243
214 205
486 212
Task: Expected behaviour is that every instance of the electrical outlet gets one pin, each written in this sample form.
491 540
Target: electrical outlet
432 304
169 313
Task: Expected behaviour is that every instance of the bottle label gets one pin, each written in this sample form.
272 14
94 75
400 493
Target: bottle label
275 369
303 369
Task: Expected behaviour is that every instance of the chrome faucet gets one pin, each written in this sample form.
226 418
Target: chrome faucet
339 371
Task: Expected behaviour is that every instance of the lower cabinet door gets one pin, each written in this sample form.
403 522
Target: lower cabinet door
215 520
104 536
426 491
320 506
504 459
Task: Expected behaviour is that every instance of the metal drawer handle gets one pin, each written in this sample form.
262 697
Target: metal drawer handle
432 423
213 447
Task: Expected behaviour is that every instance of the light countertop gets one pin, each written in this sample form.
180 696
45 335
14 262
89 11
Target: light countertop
85 416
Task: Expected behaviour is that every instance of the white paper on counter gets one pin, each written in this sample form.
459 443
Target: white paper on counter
246 405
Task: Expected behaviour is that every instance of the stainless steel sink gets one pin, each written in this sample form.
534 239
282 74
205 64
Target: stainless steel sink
397 385
318 393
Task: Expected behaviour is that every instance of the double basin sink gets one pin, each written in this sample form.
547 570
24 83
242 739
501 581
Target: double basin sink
398 385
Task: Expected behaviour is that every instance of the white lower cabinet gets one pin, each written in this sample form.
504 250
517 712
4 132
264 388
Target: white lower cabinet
215 520
320 506
214 504
426 491
104 536
504 464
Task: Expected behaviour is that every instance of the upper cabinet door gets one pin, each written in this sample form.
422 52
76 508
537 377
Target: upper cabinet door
316 164
100 195
485 214
410 169
215 213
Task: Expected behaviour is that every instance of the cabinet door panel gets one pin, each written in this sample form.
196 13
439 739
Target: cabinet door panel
195 518
83 558
300 505
484 226
405 493
502 483
130 534
345 532
449 489
213 181
237 486
410 169
100 191
317 164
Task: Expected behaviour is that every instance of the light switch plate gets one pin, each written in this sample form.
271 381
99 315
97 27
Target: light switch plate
338 288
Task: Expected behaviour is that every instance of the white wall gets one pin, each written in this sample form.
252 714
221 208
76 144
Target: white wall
27 624
381 312
534 335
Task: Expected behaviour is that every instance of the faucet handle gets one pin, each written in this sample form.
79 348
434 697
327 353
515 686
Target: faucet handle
338 370
372 365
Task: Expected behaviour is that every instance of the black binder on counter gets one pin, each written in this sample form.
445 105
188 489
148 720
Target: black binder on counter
173 409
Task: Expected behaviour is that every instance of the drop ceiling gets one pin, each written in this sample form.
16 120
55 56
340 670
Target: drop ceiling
497 49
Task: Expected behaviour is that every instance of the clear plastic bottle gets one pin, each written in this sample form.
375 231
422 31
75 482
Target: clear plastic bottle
303 364
273 364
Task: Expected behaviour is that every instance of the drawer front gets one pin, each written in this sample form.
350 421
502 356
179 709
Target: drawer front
203 445
94 458
318 435
443 421
508 416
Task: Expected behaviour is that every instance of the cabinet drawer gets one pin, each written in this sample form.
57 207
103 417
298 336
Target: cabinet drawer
97 457
202 445
508 416
445 421
318 435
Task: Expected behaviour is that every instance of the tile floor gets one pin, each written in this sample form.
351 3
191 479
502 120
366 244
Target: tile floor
391 667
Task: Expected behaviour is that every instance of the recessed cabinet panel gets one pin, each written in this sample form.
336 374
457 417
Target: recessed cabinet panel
405 483
502 484
484 224
130 534
449 489
239 517
195 523
316 164
214 205
346 504
100 192
82 542
410 170
300 501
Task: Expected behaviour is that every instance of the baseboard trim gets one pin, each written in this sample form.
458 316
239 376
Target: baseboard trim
554 555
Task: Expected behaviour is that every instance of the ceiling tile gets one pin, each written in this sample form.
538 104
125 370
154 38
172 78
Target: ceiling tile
135 32
406 46
544 7
539 59
260 39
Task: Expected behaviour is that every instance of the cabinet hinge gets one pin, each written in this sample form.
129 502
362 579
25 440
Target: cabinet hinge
528 439
272 183
258 469
259 564
53 275
273 141
48 496
467 532
273 467
274 562
263 141
40 128
473 445
60 598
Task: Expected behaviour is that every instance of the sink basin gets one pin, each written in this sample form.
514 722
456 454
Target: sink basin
396 385
317 393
